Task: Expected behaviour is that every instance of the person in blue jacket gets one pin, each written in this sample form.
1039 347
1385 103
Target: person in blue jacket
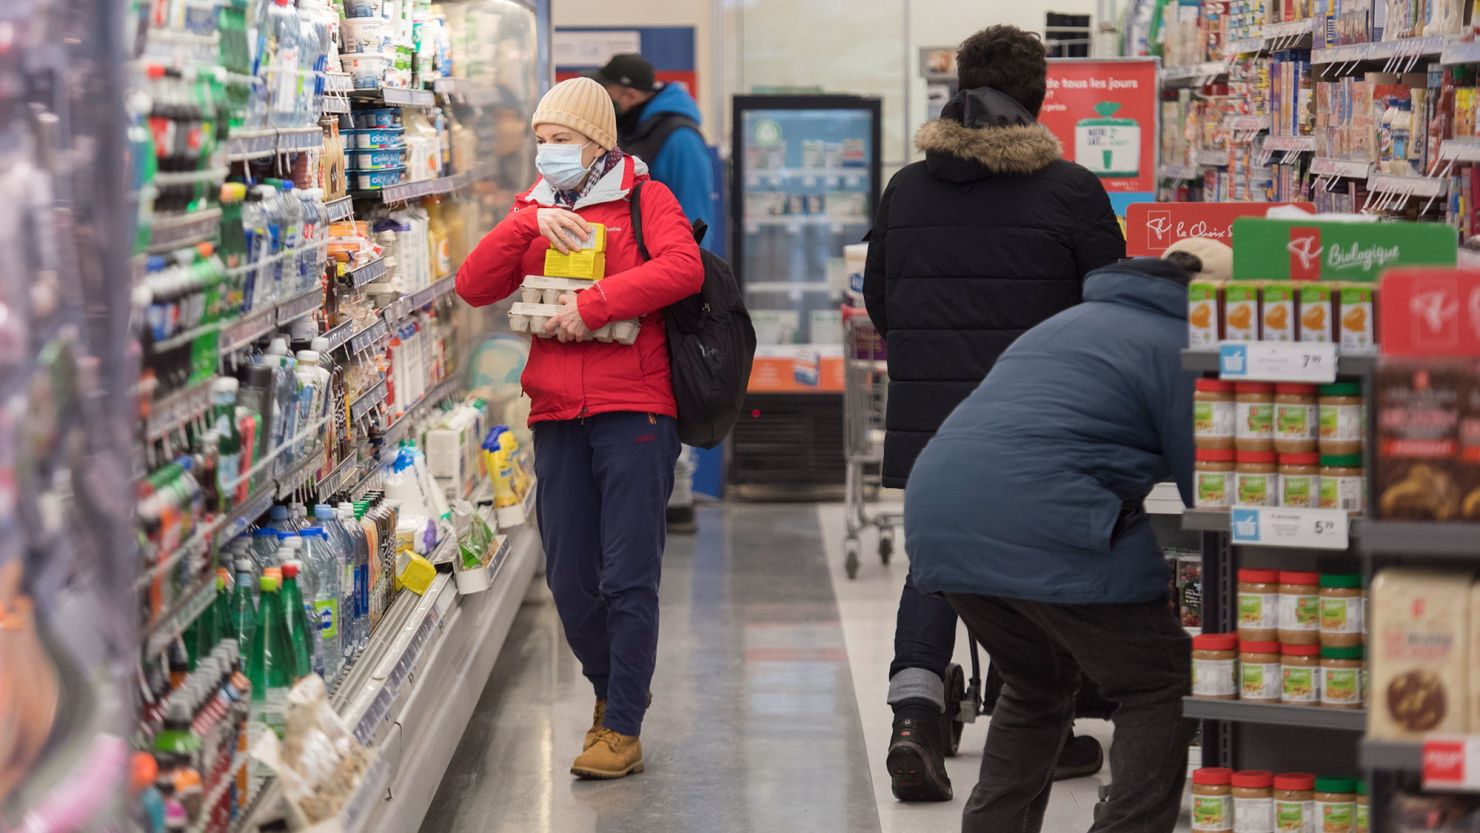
659 124
1025 510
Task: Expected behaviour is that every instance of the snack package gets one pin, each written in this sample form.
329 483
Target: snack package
1417 475
1317 313
1241 310
1204 314
1358 318
1419 648
1278 300
321 762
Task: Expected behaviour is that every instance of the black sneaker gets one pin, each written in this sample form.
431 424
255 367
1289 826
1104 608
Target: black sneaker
1081 757
682 520
917 760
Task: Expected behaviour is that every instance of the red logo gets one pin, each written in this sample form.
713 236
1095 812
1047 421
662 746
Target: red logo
1305 253
1443 762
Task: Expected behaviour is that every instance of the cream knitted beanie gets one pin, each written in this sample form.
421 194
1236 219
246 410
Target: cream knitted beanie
580 104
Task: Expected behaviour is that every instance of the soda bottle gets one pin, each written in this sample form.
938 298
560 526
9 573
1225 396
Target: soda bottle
229 442
270 663
298 629
243 614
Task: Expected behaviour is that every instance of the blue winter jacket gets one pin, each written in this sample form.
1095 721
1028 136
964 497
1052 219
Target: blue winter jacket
1032 488
683 163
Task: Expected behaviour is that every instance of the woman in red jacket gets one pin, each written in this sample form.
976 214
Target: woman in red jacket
603 414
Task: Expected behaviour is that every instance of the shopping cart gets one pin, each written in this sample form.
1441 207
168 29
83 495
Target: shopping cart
865 397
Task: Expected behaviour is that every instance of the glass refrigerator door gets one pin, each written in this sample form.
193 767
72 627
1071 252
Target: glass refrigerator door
807 188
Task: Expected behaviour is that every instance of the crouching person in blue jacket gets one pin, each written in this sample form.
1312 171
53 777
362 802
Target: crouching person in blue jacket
1026 512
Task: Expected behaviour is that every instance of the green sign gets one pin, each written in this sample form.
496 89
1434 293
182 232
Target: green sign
1329 251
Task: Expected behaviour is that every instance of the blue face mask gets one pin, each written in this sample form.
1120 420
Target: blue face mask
560 165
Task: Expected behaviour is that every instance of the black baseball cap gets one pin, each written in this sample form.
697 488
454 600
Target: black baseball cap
629 70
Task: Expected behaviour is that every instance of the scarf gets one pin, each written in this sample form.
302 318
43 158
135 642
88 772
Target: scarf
599 170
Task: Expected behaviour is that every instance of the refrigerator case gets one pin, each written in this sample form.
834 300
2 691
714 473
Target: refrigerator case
807 173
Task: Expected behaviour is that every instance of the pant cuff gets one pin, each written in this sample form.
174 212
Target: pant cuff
917 684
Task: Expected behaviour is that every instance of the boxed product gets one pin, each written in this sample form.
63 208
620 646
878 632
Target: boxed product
1241 314
1419 648
1417 472
587 263
1279 311
1204 314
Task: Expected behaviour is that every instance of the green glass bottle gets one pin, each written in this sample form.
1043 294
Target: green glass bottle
243 618
297 622
270 662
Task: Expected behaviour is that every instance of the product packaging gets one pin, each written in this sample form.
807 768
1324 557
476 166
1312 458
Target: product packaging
1419 648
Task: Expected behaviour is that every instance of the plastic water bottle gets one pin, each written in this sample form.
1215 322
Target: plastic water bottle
264 549
323 568
328 520
292 212
286 398
317 41
268 289
243 622
259 244
355 534
315 236
281 35
313 398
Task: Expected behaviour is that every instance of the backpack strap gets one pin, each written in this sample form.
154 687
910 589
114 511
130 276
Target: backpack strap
635 200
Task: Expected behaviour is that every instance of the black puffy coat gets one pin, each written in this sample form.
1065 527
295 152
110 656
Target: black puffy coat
990 235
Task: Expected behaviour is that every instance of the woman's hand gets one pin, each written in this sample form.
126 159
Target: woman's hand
567 324
565 230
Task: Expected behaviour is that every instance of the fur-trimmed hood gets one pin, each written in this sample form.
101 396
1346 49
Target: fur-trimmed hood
1016 149
991 132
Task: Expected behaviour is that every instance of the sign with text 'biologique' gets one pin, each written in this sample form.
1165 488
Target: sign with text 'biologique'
1312 250
1150 227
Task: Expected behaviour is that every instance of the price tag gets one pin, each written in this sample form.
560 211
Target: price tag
1277 362
1268 526
1451 764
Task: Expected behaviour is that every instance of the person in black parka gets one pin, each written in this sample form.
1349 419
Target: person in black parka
990 235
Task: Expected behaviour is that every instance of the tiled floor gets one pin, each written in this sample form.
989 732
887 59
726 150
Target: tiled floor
768 714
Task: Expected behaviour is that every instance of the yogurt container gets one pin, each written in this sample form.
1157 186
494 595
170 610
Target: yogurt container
377 160
377 138
366 69
364 34
379 117
362 8
376 180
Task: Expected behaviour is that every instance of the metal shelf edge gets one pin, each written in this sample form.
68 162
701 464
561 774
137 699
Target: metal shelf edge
1313 717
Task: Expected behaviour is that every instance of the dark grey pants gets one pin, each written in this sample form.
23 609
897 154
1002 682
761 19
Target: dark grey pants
1141 658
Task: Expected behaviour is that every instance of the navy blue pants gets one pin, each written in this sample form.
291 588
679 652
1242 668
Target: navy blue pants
924 631
604 483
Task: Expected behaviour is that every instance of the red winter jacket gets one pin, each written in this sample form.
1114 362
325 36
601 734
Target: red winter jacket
569 381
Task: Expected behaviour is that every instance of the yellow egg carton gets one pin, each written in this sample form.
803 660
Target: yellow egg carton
587 263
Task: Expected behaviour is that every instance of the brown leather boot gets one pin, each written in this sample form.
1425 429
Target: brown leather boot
596 718
613 755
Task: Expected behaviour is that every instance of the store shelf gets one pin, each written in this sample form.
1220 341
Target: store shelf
368 401
395 432
247 145
1391 50
788 286
338 478
341 209
338 82
186 609
177 408
1246 124
1460 150
1349 168
368 337
247 329
336 106
300 139
1411 186
1290 144
299 476
1165 500
366 273
427 295
1180 172
244 514
1206 361
1427 539
1245 46
1195 75
796 221
295 308
1392 755
1205 520
1287 34
1211 158
396 97
1273 714
408 191
340 334
1461 53
178 231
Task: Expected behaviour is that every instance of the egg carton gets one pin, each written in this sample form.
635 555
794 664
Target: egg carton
531 319
538 289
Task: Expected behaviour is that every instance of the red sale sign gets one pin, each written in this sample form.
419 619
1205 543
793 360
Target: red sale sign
1104 112
1430 313
1151 227
1448 764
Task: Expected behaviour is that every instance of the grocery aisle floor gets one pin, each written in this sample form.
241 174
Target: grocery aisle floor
768 711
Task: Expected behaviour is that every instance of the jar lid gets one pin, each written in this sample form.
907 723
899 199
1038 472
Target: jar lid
1256 457
1246 646
1253 779
1259 576
1300 390
1342 389
1333 652
1212 776
1215 455
1295 781
1341 581
1215 642
1304 458
1300 650
1214 386
1341 461
1335 784
1362 788
1299 579
1254 387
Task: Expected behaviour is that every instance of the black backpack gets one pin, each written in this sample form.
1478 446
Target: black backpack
711 345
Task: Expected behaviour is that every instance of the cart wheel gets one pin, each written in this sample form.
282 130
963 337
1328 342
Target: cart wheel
886 544
1103 804
955 697
851 565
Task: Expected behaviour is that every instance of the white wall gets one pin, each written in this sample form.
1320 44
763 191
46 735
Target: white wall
867 47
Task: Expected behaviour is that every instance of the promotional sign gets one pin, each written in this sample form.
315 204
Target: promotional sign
1310 250
1152 227
1267 526
799 369
1430 312
1104 112
670 49
1277 361
1451 764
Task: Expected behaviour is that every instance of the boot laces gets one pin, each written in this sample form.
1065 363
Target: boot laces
610 737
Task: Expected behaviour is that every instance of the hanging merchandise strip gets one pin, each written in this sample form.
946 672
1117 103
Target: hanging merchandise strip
178 408
341 209
340 334
368 401
396 97
178 231
407 191
407 304
366 273
395 432
336 480
173 624
262 144
369 336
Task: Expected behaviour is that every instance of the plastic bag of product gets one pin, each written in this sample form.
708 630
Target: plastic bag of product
474 537
320 762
